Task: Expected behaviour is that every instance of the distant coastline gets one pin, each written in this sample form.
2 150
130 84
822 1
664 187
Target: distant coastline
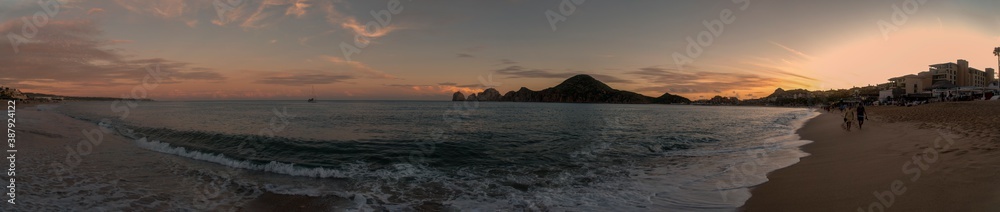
81 98
8 93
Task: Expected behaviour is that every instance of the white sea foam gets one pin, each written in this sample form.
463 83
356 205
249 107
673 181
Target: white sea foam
272 166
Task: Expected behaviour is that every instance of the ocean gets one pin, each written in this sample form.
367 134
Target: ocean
407 155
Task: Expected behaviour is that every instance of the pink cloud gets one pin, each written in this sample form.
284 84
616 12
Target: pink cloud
95 10
357 66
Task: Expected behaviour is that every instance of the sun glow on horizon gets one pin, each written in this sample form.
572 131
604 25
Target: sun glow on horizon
873 60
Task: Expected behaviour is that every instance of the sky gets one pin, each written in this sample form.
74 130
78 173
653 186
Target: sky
429 49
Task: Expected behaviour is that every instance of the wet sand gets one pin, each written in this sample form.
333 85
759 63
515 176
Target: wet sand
69 164
937 157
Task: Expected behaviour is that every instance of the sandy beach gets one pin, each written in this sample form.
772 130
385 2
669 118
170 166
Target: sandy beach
936 157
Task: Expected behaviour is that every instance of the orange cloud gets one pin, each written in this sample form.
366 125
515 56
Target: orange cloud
298 8
95 10
350 23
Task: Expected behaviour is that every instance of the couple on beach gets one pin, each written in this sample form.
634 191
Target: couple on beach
853 114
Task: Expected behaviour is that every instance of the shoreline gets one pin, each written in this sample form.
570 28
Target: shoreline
859 170
843 170
97 172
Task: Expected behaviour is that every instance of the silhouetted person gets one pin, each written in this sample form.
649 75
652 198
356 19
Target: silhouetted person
848 118
862 115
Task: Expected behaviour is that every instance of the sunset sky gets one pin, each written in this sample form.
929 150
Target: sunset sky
281 49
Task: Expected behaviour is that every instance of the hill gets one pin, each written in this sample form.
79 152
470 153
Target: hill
577 89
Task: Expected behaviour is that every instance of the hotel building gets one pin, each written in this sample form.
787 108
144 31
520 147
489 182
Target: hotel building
961 74
951 74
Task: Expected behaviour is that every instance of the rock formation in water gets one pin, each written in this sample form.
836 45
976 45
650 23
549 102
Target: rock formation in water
490 94
458 96
577 89
668 98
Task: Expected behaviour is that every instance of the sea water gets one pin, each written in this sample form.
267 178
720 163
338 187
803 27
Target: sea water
476 156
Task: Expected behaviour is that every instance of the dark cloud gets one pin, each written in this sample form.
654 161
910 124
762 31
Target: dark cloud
470 86
304 79
72 52
507 62
522 72
465 55
439 84
683 90
475 49
199 75
780 72
402 85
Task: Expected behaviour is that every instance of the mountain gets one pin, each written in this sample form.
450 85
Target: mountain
794 93
577 89
668 98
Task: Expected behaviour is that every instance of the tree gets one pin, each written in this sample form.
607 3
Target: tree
996 52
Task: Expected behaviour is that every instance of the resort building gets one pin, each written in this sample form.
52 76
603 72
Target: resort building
11 93
960 74
945 72
940 80
913 83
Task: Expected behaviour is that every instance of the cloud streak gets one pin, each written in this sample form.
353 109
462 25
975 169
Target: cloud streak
793 51
303 78
689 82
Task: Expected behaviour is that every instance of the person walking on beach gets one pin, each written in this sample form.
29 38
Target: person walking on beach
862 115
848 117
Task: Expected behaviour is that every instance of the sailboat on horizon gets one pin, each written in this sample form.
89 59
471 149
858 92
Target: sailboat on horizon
313 99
